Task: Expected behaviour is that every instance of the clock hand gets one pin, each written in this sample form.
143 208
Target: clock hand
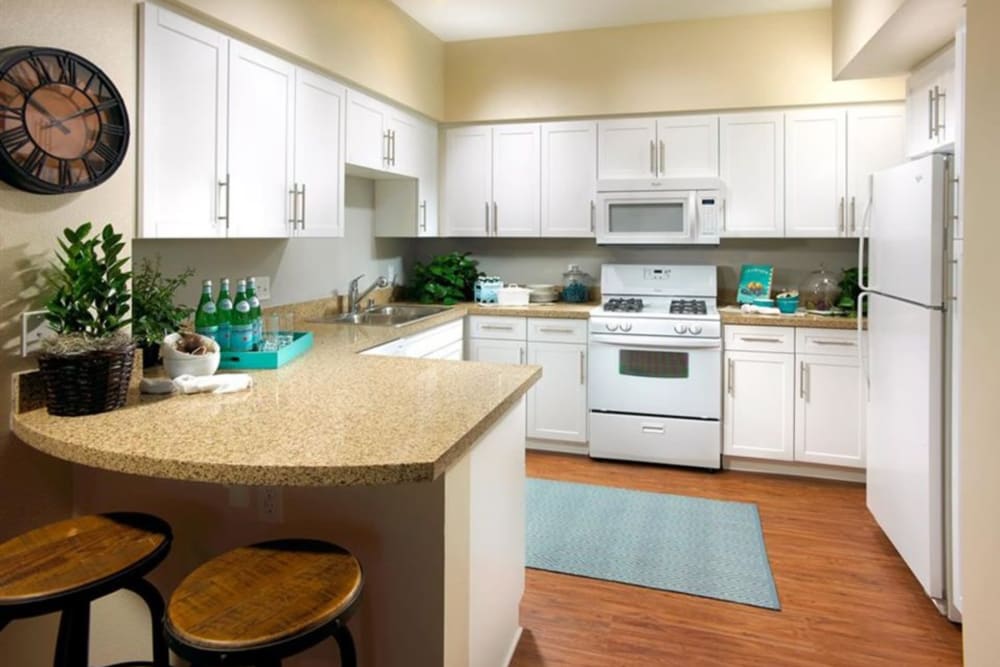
83 112
45 112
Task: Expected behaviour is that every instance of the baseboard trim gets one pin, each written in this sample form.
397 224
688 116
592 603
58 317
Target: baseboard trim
794 469
513 646
558 446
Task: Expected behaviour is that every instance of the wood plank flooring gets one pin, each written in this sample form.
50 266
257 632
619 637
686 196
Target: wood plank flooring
847 598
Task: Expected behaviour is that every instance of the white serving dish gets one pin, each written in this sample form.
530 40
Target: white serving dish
512 295
177 363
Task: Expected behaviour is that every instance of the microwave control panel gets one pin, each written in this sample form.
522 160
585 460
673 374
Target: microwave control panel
709 213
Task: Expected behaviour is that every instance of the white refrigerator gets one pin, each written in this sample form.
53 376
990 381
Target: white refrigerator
908 280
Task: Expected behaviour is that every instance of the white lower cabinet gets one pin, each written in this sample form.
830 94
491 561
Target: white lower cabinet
441 342
802 402
557 404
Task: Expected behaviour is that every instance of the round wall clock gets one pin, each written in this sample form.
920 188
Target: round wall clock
63 124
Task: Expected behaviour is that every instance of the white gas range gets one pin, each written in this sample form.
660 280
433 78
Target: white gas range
656 366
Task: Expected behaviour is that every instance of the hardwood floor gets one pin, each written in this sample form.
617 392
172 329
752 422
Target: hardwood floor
846 596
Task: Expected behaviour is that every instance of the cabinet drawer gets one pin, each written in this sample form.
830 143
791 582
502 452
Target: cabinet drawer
504 328
543 329
836 342
427 342
760 339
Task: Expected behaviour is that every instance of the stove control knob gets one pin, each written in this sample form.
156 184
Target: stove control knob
626 326
680 328
695 330
611 326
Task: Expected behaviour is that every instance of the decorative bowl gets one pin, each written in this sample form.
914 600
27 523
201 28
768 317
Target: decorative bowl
177 363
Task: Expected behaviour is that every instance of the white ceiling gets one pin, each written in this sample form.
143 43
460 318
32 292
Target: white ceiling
455 20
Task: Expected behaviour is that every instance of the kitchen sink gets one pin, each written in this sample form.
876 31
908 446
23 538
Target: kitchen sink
386 316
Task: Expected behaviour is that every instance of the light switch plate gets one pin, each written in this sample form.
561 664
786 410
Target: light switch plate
33 329
263 287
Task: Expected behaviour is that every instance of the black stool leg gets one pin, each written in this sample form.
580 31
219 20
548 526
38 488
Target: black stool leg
348 658
151 596
3 622
73 643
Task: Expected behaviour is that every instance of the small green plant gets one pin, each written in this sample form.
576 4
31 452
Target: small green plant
850 290
153 311
446 279
90 301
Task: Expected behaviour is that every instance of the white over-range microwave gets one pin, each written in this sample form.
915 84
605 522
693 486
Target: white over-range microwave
663 211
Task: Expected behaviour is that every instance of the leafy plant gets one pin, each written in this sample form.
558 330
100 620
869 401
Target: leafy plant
153 311
90 299
850 290
446 279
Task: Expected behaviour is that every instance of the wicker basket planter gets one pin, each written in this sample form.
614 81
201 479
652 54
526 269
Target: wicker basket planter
87 384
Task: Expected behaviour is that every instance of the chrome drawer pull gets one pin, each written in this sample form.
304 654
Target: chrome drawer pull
495 327
843 343
554 330
760 339
653 428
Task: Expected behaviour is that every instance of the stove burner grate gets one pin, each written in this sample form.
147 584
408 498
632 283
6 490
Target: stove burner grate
688 307
622 305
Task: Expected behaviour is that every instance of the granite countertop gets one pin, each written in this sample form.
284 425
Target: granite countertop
732 315
331 417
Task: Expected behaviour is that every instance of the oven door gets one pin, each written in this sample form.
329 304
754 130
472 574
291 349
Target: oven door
656 375
646 217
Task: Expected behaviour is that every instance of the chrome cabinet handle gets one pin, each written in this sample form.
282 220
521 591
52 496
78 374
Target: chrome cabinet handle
930 113
842 217
224 184
495 327
803 381
854 218
385 147
663 158
423 221
583 364
487 204
729 380
554 330
392 146
842 343
302 214
294 192
653 428
593 216
520 352
652 157
939 125
495 230
760 339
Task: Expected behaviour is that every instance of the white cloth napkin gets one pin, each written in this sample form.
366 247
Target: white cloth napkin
763 310
190 384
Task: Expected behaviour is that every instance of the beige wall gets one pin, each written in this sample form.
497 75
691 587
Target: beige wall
754 61
981 361
369 42
855 22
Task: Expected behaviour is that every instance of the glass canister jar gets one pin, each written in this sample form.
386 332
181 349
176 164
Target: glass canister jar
576 285
820 291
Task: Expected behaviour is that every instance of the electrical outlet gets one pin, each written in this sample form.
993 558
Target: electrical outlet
33 329
263 287
269 504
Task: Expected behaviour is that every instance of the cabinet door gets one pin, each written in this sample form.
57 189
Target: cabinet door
517 177
367 143
182 141
688 146
496 351
931 105
919 114
946 112
626 148
816 169
404 142
427 180
875 141
319 155
752 166
468 181
569 179
261 115
557 404
759 405
828 411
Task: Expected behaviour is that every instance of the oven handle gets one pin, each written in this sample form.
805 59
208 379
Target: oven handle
664 343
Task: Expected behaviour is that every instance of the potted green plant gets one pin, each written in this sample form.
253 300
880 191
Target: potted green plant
86 366
446 279
154 314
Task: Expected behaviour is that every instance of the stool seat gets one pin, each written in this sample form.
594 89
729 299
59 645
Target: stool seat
263 595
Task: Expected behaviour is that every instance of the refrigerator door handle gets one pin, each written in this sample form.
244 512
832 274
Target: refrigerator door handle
865 370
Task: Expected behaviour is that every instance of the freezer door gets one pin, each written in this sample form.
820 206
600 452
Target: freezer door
906 231
905 438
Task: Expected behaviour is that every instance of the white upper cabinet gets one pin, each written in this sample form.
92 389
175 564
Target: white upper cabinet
261 115
816 171
688 146
875 141
493 181
427 180
182 143
671 146
367 140
404 143
569 179
317 190
932 105
752 168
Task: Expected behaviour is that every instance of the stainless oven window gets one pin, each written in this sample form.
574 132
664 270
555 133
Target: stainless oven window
653 364
646 217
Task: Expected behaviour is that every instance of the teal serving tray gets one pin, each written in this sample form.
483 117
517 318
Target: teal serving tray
302 341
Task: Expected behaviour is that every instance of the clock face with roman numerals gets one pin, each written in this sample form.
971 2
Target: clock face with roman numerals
63 124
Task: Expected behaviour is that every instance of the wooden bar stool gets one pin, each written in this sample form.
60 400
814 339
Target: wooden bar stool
259 604
66 565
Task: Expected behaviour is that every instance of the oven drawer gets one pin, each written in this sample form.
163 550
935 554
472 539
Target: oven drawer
547 330
503 328
685 442
834 342
759 339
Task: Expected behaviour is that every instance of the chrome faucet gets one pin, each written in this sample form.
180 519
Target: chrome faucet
354 297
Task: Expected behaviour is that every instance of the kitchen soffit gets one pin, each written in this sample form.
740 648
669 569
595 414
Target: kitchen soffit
456 20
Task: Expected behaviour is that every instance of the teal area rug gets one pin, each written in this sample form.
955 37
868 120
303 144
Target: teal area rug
709 548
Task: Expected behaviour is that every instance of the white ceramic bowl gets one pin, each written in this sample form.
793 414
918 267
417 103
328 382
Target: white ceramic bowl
180 363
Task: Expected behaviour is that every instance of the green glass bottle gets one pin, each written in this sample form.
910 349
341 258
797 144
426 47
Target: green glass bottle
241 327
224 311
206 320
255 313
